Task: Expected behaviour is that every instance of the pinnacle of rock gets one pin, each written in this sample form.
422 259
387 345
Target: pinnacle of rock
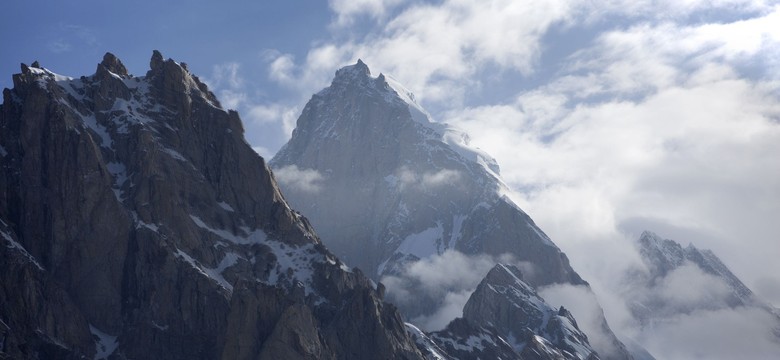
113 64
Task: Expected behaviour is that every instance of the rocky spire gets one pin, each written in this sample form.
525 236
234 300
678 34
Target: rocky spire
113 64
156 62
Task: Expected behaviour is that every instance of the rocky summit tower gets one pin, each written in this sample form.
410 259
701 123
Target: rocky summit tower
137 223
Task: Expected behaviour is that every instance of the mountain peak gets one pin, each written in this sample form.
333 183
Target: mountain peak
504 274
524 316
350 73
113 64
666 255
156 61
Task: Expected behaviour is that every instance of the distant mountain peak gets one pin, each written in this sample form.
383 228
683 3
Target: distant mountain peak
665 255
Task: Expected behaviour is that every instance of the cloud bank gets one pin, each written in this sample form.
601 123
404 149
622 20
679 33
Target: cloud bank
608 119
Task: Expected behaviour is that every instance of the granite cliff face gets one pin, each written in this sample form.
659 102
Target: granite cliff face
137 223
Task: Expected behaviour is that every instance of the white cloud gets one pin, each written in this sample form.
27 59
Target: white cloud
227 74
231 99
303 180
263 151
689 146
227 83
59 46
280 69
286 116
584 305
745 333
434 290
427 180
683 290
742 333
441 284
347 10
234 91
433 49
67 37
451 308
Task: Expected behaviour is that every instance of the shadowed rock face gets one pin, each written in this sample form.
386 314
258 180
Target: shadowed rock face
136 222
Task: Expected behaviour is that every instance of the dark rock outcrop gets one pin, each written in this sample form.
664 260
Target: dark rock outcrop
536 330
137 223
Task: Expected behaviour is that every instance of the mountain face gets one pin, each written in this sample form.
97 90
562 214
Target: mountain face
387 187
666 262
520 324
137 223
396 188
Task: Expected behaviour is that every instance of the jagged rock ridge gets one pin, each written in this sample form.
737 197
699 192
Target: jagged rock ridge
663 256
137 223
505 318
664 260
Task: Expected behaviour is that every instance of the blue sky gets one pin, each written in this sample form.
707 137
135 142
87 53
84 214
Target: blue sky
74 35
607 117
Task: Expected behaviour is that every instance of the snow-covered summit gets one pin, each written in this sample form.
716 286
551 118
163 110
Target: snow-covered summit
357 77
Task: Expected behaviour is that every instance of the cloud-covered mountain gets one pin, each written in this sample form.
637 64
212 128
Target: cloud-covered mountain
666 261
393 192
682 300
137 223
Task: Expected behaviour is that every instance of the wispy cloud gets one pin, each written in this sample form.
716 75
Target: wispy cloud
67 37
426 180
59 46
302 180
347 10
434 290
